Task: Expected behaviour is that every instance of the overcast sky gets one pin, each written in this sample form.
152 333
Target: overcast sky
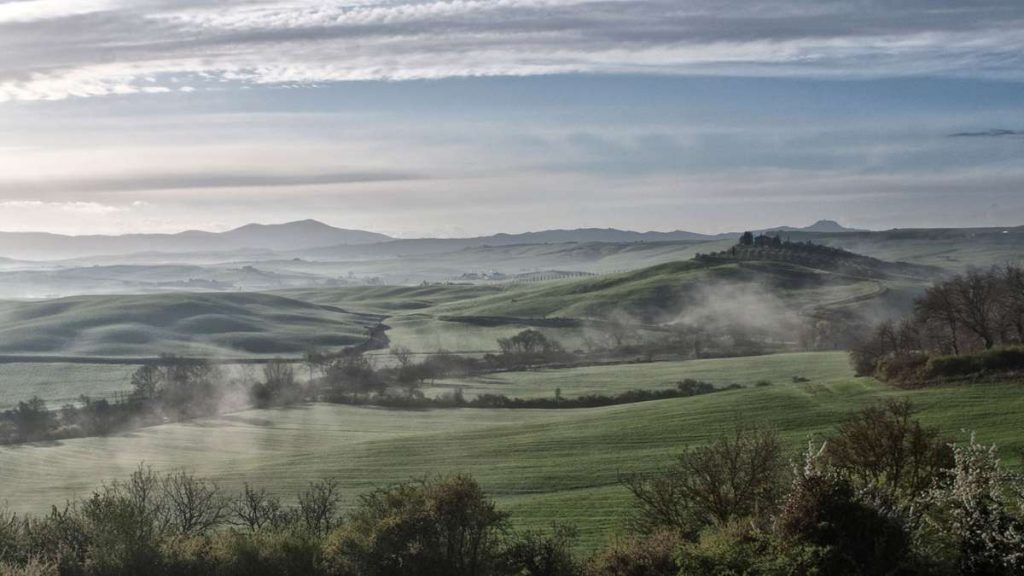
468 117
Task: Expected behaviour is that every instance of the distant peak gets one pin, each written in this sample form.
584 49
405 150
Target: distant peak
826 226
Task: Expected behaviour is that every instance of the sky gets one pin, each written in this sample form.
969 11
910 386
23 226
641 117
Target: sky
470 117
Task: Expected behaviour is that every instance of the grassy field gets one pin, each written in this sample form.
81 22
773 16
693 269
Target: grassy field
543 465
231 325
61 383
775 368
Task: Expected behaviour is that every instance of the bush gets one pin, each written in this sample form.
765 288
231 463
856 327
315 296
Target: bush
653 555
445 527
737 548
536 553
853 537
996 360
267 553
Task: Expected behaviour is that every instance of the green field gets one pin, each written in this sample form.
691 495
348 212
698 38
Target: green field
61 383
543 465
617 378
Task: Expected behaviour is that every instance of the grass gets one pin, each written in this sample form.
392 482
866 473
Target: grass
543 465
61 383
613 379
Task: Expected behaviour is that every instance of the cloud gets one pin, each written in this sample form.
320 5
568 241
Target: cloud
33 10
84 208
993 133
100 48
192 180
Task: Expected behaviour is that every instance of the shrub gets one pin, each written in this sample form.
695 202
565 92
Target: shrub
996 360
536 553
979 513
824 511
267 553
444 527
652 555
737 548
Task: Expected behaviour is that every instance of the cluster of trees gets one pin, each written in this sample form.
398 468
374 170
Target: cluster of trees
173 388
883 495
178 524
974 312
760 240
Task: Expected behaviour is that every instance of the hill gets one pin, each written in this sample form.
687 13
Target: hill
280 237
950 248
214 325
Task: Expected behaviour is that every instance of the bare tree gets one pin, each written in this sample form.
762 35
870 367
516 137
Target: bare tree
255 509
883 447
938 308
318 506
193 506
402 355
737 476
977 297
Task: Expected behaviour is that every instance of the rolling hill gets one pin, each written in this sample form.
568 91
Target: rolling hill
213 325
279 237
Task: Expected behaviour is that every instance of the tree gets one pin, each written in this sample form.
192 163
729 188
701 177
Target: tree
318 507
402 355
351 373
747 239
938 308
279 385
977 304
735 476
255 510
883 448
146 381
1012 309
193 506
31 419
441 527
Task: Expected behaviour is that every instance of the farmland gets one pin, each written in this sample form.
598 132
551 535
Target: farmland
544 465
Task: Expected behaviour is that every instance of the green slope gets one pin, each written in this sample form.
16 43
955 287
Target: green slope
195 324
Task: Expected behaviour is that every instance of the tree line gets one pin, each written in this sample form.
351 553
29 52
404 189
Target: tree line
882 494
967 324
174 388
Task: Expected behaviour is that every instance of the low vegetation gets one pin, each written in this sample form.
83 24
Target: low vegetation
882 495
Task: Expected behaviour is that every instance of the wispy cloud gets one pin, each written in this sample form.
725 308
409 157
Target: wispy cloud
99 47
33 10
993 133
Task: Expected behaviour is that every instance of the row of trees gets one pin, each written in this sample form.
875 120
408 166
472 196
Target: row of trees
883 495
178 524
971 312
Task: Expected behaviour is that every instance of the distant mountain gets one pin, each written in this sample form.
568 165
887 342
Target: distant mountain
427 246
821 226
291 236
612 235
